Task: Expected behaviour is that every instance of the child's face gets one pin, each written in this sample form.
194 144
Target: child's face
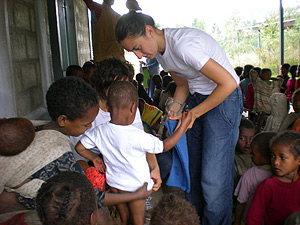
296 103
284 164
80 125
266 75
245 137
256 156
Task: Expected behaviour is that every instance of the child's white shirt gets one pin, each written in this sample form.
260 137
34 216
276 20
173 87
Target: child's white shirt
124 153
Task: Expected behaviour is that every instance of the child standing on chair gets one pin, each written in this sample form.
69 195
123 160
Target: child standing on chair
124 148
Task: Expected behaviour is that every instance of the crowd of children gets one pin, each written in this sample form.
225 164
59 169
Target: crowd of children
105 116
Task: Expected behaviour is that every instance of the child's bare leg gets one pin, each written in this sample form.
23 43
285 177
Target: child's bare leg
122 207
137 211
124 213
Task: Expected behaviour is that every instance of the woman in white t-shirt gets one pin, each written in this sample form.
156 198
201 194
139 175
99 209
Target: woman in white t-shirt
208 83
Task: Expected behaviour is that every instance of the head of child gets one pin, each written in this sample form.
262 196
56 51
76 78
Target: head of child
74 71
157 80
172 210
88 69
296 101
298 71
260 148
139 78
284 69
285 156
122 101
67 198
265 74
247 132
109 71
72 105
16 134
293 70
246 70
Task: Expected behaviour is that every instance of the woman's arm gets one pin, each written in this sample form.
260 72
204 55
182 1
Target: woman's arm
225 86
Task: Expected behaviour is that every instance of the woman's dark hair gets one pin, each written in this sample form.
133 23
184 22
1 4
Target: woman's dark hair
108 71
70 96
289 138
132 24
66 198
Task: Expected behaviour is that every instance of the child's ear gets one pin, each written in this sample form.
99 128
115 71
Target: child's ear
133 107
298 160
61 120
93 218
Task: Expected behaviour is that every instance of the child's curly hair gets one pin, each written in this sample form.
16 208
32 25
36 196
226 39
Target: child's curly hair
66 198
172 210
70 96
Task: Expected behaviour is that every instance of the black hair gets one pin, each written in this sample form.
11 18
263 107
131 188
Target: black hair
72 69
108 71
166 80
257 69
172 210
265 70
88 66
171 87
247 69
121 94
66 198
246 123
285 66
132 24
262 140
139 77
16 134
289 138
293 70
238 70
70 96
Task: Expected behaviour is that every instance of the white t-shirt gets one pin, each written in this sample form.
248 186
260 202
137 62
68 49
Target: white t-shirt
102 117
187 51
124 153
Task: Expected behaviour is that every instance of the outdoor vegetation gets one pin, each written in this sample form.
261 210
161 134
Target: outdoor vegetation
256 43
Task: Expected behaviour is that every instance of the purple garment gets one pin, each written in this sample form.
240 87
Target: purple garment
248 183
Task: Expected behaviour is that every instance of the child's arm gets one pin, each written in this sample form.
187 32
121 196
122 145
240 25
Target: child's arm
116 198
171 141
154 171
239 213
98 163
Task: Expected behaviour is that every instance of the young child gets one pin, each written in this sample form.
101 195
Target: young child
74 71
290 86
279 110
124 148
291 118
88 69
279 196
72 105
171 210
69 198
16 134
242 159
264 86
254 176
141 90
157 80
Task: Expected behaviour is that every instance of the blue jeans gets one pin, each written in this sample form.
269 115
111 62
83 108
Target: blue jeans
211 144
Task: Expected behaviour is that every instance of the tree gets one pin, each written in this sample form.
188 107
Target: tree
199 24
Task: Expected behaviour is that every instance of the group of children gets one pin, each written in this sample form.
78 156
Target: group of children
110 109
266 176
258 87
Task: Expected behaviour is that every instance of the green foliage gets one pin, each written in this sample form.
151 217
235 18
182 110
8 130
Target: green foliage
260 44
200 24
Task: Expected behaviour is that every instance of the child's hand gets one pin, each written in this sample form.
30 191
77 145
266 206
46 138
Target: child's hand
155 176
142 192
186 119
99 164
